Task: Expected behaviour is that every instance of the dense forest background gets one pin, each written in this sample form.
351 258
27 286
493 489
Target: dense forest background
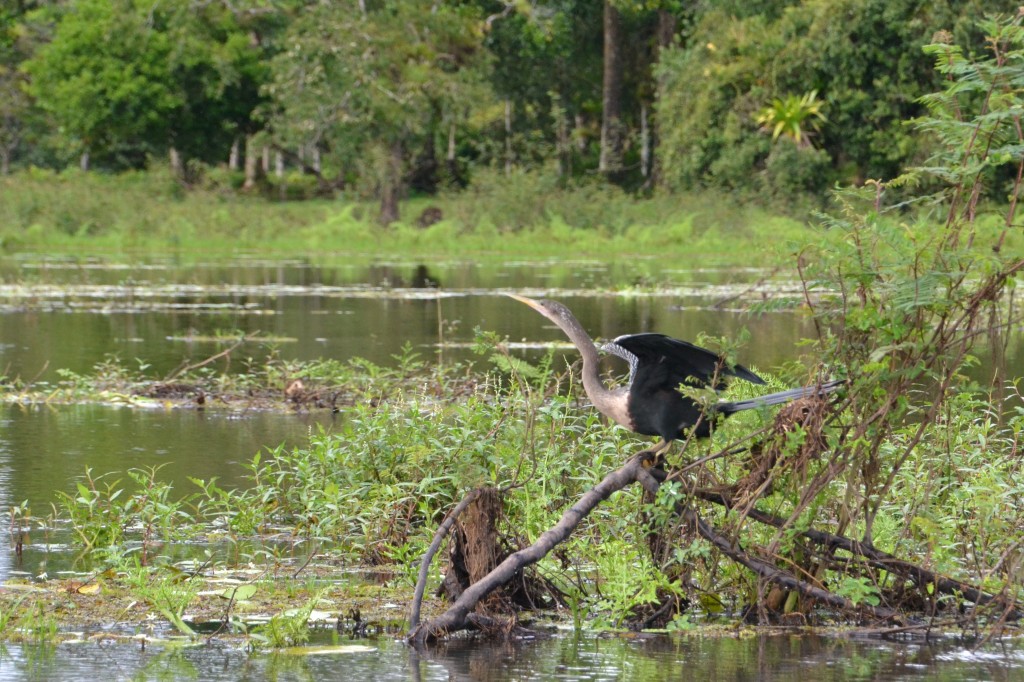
771 100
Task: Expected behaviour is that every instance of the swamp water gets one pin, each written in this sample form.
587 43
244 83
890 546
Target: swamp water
71 314
644 658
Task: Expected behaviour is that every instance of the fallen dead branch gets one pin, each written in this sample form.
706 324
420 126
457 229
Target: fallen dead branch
186 367
457 617
763 568
428 558
875 557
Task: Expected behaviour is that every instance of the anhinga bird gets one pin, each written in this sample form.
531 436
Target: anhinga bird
651 403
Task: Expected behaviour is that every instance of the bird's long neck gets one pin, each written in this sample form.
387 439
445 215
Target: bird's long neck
610 403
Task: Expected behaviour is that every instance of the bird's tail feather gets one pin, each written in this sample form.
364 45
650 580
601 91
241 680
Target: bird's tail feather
779 398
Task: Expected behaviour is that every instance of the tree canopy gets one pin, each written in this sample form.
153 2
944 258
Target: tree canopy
769 99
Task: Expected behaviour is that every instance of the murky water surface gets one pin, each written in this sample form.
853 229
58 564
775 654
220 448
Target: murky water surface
647 658
71 313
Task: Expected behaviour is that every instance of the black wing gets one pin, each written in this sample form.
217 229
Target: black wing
659 361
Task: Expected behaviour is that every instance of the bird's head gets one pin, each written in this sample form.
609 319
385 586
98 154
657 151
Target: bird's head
553 310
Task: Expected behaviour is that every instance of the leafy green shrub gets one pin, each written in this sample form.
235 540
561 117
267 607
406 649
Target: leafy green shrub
513 201
792 173
864 59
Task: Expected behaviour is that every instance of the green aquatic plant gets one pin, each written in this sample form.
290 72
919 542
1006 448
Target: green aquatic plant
103 508
288 628
168 591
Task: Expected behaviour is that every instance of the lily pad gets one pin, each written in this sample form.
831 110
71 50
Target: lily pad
240 593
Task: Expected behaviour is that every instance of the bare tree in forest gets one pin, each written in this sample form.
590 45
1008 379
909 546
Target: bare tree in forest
611 97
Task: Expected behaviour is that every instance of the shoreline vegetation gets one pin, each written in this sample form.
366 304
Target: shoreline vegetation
321 543
150 213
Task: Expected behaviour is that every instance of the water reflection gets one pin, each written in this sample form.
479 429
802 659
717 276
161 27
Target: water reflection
650 658
70 314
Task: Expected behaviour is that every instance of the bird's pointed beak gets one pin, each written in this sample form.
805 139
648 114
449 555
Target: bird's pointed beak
528 301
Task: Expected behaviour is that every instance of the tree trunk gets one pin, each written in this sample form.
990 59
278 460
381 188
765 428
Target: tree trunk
391 184
422 177
449 159
563 143
645 142
667 27
252 165
611 99
508 136
83 161
233 157
177 167
282 186
579 133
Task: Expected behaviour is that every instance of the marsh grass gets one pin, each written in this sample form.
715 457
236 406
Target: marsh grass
147 212
523 215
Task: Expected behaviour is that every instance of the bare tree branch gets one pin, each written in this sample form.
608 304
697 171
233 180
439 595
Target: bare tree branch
439 536
875 557
455 618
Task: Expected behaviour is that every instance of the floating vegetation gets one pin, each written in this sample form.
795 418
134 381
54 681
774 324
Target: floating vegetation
272 384
161 605
254 299
231 337
338 650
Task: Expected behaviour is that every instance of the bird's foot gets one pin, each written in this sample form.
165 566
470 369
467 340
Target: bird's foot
653 458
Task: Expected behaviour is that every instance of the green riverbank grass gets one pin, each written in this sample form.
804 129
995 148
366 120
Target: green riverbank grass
146 213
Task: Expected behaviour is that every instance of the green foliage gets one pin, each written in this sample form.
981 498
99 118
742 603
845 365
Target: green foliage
794 117
376 488
169 592
859 591
106 77
97 516
126 79
382 98
903 307
102 510
286 629
383 480
792 173
363 85
28 619
135 210
915 458
864 58
145 212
